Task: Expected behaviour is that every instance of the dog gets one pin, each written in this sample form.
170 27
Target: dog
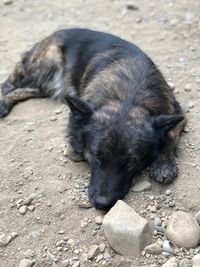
123 114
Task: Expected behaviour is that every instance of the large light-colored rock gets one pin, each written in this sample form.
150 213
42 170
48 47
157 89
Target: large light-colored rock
196 260
126 231
183 230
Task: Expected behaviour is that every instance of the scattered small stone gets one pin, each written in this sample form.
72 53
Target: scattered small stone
76 264
168 247
26 263
28 200
85 204
4 240
31 208
154 248
131 7
189 18
93 251
191 86
196 260
65 263
19 203
7 2
70 242
142 186
58 111
157 221
29 254
197 217
14 235
172 204
126 231
168 192
171 85
179 223
171 263
185 263
99 220
23 209
99 258
69 152
190 105
35 234
102 247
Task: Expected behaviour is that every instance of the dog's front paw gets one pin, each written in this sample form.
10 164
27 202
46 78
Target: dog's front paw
4 108
163 171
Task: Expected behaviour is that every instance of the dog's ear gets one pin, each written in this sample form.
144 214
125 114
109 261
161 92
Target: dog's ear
79 106
165 123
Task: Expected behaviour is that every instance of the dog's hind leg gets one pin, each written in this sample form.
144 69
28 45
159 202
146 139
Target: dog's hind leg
18 95
164 168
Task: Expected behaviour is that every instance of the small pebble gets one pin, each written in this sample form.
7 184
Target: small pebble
168 192
190 105
7 2
142 186
102 247
168 247
26 263
93 251
171 85
23 209
99 220
4 240
76 264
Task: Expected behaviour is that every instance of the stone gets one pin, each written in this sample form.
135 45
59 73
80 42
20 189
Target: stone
171 85
7 2
171 263
14 235
191 86
127 232
4 240
26 263
23 209
102 247
65 263
93 251
76 264
197 217
168 247
142 186
183 230
154 248
196 260
99 220
69 152
185 263
35 235
168 192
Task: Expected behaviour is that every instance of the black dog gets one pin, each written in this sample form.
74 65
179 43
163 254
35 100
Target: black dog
124 117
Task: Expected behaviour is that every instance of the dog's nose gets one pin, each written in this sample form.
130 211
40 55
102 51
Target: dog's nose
103 203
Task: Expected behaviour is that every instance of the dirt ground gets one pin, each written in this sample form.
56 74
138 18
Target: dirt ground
33 136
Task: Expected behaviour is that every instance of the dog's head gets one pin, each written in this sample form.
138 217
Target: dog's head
118 142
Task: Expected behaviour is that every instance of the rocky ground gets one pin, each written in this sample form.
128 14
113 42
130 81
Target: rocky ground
45 217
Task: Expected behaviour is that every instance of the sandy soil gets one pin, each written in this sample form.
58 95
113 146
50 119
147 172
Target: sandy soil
32 137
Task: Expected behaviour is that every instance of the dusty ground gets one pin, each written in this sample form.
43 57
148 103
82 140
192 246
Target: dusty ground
32 137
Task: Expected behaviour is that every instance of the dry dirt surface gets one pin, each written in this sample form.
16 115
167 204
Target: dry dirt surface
57 225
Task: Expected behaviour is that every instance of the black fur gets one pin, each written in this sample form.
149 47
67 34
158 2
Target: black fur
124 117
